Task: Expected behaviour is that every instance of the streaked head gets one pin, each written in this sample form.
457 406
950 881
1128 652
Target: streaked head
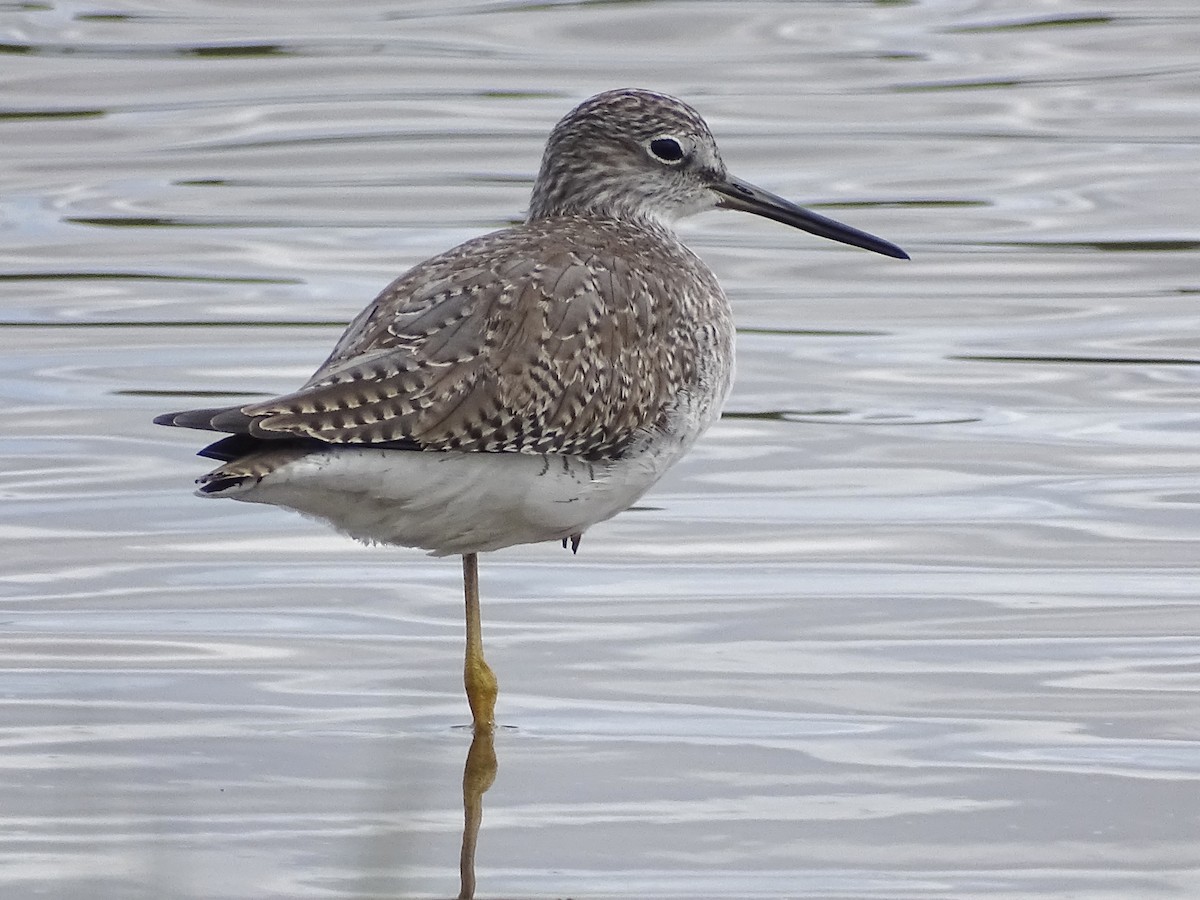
636 154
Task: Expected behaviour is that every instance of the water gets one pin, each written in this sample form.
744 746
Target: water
918 619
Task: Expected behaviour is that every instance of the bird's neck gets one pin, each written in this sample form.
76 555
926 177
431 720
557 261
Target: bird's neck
628 216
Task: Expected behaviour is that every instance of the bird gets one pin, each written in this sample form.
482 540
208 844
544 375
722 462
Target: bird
528 383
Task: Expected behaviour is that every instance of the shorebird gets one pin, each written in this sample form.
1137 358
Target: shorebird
530 382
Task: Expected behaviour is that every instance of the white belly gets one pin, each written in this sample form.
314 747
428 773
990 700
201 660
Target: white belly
452 502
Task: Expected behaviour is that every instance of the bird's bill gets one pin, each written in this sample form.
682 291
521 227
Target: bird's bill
738 194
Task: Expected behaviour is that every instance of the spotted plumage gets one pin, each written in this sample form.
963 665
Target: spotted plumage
587 334
575 345
531 382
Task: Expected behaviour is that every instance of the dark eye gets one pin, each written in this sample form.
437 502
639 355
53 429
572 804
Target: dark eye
666 149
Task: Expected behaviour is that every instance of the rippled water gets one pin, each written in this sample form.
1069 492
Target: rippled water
918 619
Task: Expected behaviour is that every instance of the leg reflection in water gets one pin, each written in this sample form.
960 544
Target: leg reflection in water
478 775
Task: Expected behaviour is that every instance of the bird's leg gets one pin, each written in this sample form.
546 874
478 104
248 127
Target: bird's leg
477 675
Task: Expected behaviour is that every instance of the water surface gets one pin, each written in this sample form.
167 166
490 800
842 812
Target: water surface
918 619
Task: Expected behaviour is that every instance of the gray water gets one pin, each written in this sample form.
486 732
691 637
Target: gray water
918 619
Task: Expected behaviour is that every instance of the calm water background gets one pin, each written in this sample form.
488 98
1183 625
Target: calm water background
920 617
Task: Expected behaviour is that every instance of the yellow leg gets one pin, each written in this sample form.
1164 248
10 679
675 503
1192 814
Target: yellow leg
477 676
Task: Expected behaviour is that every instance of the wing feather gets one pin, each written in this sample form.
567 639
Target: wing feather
573 343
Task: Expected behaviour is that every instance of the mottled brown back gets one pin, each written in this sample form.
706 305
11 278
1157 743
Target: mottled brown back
565 335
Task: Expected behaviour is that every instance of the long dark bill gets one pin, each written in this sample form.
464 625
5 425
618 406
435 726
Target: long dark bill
738 194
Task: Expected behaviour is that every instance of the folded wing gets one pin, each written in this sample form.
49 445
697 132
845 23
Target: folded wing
563 348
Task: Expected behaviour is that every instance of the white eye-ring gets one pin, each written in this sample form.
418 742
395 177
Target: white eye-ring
666 149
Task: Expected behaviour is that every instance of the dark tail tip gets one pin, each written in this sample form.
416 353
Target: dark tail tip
221 483
201 418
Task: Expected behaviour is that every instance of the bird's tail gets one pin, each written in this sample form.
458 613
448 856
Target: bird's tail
244 473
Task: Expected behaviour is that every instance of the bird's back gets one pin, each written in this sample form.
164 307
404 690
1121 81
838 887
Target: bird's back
568 335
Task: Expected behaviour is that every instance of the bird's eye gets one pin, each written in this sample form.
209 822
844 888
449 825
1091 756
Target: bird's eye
667 149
